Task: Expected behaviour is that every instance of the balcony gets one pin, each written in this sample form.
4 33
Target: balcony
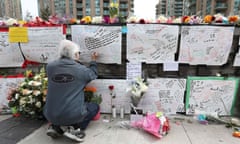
79 5
220 6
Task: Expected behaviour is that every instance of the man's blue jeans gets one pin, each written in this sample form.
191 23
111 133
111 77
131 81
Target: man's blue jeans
92 109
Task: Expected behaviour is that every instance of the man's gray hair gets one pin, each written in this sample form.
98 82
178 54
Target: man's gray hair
68 49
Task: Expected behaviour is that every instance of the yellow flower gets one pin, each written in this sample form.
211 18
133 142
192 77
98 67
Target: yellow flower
208 19
114 4
86 19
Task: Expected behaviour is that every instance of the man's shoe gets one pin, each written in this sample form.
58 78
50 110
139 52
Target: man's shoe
52 132
74 134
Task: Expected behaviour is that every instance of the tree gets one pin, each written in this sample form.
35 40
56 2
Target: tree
45 13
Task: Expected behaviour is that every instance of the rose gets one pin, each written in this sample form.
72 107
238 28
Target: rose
111 87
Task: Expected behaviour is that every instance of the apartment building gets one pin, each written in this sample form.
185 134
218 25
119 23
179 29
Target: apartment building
81 8
170 8
11 8
205 7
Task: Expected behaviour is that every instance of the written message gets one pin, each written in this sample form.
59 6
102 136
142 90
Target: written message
164 94
10 54
209 45
43 44
211 94
104 40
151 43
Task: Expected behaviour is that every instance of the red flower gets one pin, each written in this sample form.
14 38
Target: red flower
142 21
16 115
111 87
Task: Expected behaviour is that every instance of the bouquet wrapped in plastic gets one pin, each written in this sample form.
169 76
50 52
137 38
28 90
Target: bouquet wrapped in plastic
138 88
156 124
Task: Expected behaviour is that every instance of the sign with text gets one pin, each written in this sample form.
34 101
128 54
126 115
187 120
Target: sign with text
211 95
165 95
10 54
43 44
209 45
152 43
105 40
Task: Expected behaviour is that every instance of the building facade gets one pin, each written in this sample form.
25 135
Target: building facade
205 7
170 8
11 8
80 8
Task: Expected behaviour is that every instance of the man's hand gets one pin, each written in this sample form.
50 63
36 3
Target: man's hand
94 56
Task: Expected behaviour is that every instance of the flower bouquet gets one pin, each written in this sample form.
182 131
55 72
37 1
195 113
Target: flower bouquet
29 98
155 123
138 88
90 95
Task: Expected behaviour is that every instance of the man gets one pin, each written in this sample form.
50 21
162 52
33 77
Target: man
65 108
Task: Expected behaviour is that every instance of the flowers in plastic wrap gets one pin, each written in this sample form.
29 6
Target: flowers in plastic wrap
29 98
113 8
208 19
132 19
86 20
233 19
138 88
155 123
91 96
97 20
162 19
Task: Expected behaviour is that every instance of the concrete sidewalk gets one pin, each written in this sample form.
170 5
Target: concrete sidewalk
186 131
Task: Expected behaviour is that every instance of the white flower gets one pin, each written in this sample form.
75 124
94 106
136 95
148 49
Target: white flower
11 21
32 112
132 19
177 20
97 19
139 87
38 104
16 96
34 83
22 101
162 19
37 77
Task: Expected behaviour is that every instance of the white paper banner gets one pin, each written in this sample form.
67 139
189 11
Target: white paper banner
105 40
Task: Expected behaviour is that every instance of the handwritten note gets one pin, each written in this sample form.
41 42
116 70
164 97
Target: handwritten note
134 70
208 45
104 40
121 99
211 94
43 44
6 85
151 43
10 54
164 94
18 34
170 66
